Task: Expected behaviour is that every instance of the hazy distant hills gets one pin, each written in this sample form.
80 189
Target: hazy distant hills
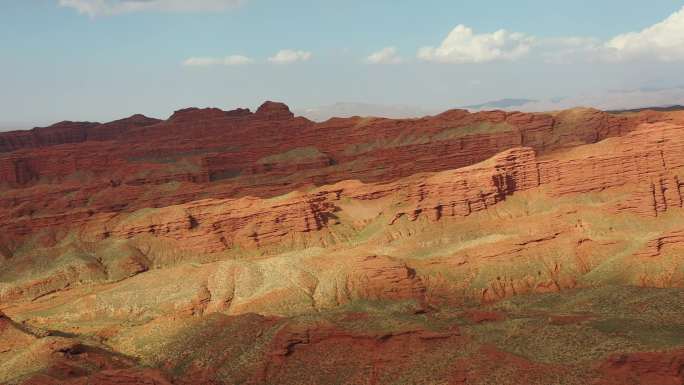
676 107
396 111
499 104
346 110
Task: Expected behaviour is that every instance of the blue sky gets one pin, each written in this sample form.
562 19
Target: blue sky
104 59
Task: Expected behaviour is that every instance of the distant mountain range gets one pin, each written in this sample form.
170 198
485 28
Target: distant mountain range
497 104
396 111
676 107
346 110
400 111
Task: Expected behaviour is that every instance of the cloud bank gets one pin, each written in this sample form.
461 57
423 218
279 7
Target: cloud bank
95 8
287 56
387 55
663 41
462 46
232 60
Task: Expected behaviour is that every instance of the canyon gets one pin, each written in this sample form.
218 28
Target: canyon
225 247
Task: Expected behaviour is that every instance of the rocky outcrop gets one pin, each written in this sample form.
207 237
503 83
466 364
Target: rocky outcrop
649 159
655 246
119 128
378 277
192 116
216 225
289 339
274 111
467 190
662 368
269 286
71 132
29 355
59 133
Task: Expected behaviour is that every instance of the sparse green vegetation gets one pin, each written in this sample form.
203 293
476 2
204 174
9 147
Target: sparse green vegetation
292 156
410 139
610 319
472 129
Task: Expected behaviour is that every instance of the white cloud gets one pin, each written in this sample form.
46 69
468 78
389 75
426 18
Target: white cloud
663 41
94 8
463 46
233 60
387 55
287 56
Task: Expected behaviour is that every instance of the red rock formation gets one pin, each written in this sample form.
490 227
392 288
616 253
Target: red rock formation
274 111
463 191
88 211
228 143
254 223
354 357
216 225
650 158
654 247
209 153
384 278
71 132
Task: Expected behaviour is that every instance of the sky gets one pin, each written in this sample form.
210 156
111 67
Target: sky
100 60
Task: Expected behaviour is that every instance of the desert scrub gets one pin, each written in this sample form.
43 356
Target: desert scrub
292 156
540 341
473 129
412 139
